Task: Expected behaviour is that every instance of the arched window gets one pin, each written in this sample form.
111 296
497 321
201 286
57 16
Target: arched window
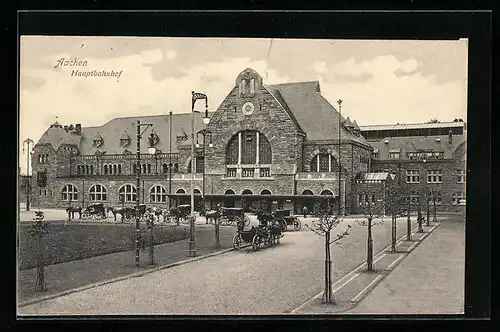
119 169
180 191
176 168
69 193
229 192
97 193
158 194
78 169
197 192
324 162
105 169
265 192
327 192
127 193
307 192
247 192
149 168
164 168
143 168
255 149
91 169
115 169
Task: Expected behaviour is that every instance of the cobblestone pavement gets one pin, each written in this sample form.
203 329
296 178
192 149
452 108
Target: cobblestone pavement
270 281
431 280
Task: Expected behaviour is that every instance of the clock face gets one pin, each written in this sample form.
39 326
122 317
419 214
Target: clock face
247 108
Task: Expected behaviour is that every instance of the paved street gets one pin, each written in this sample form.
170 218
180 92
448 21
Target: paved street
271 281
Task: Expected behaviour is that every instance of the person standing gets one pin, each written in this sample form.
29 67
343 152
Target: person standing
305 211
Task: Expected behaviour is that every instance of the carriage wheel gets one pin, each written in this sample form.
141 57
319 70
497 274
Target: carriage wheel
236 220
237 242
85 215
270 240
296 224
255 242
184 220
283 225
247 220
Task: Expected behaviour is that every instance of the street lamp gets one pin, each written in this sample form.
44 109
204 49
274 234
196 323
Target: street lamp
138 180
340 167
192 238
28 141
204 133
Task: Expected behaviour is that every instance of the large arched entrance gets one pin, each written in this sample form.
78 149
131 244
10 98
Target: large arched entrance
182 198
229 199
327 203
307 202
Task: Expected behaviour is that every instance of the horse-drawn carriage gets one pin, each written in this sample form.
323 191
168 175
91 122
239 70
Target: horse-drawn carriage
179 214
267 233
95 211
233 215
285 219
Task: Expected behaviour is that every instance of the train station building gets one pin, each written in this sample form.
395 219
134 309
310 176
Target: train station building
284 144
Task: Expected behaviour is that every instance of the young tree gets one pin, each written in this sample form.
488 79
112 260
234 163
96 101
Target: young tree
395 202
323 227
150 223
372 211
37 231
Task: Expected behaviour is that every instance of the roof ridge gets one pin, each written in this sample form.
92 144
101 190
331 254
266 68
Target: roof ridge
299 82
405 123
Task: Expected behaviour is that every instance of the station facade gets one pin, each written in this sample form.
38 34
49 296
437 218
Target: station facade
283 144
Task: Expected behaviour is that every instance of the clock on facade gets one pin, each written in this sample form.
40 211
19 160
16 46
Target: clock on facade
248 108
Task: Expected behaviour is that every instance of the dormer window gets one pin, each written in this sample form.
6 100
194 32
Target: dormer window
125 139
98 140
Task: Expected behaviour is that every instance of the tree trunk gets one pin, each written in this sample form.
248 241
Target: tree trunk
394 234
408 226
40 285
419 218
151 246
428 213
217 233
369 258
435 217
328 294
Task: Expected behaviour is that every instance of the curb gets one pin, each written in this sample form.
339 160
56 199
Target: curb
355 272
129 276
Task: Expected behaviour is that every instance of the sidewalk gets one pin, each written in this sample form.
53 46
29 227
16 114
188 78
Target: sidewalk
431 280
351 290
70 275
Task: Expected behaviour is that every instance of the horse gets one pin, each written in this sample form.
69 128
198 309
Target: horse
126 212
71 212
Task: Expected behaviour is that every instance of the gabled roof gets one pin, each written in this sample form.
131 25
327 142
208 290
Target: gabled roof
348 123
313 113
56 136
415 143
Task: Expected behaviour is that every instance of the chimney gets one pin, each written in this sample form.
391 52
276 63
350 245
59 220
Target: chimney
78 128
450 137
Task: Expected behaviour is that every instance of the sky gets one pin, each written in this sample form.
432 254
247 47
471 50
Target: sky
379 81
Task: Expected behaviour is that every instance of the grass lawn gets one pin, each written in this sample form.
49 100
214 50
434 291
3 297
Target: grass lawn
73 242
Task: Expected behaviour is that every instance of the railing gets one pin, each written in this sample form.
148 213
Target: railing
316 176
133 156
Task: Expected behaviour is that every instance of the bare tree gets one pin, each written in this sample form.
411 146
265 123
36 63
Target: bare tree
323 227
37 231
373 211
395 203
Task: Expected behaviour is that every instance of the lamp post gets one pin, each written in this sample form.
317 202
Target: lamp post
28 142
138 180
192 237
154 152
340 167
170 162
204 133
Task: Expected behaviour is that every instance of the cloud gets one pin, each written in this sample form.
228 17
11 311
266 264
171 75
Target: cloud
170 54
389 97
151 56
